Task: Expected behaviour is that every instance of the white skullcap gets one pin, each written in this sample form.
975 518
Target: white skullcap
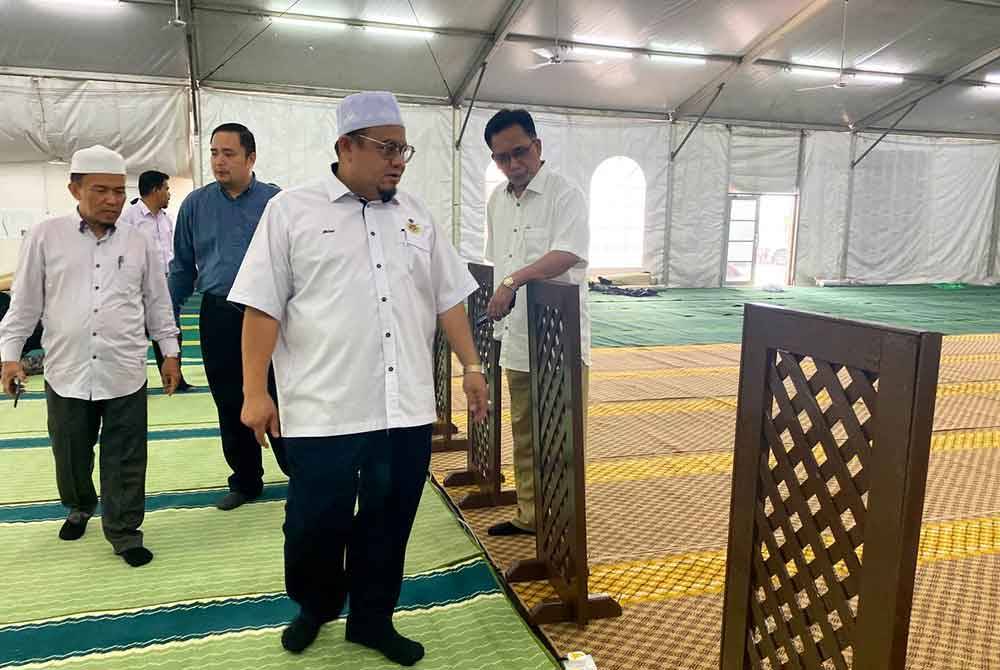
366 110
97 160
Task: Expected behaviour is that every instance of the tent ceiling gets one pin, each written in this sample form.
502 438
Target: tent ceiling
927 39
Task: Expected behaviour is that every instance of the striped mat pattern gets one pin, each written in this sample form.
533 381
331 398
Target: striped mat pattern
213 597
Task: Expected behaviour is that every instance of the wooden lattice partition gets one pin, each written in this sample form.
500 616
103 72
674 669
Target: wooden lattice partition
483 468
832 446
444 429
557 430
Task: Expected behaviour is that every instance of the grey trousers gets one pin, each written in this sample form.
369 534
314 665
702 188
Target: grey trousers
74 426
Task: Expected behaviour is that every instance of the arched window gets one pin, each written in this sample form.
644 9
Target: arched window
617 214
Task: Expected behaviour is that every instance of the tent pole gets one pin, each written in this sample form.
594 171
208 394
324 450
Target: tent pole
850 207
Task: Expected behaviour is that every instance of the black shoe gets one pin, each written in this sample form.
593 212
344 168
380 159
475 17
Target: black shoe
73 531
300 633
232 500
184 387
507 528
137 556
391 644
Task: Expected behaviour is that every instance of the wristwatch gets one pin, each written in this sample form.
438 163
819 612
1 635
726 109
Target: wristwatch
472 368
508 281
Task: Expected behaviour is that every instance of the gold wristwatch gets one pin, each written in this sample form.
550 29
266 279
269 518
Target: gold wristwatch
472 368
508 281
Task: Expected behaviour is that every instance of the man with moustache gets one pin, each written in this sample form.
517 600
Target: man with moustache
214 226
98 287
344 284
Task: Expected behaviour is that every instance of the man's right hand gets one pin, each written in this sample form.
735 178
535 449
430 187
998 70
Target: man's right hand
11 371
261 416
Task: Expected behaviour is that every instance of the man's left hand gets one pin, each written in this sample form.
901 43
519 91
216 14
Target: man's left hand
499 306
170 373
477 394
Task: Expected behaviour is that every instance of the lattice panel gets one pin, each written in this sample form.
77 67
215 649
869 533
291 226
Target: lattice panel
810 518
484 457
554 506
442 378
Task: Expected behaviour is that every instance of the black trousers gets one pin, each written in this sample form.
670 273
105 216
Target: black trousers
384 472
221 327
73 428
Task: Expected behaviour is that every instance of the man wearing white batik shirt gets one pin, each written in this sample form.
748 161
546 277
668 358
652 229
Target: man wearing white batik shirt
98 288
344 284
537 228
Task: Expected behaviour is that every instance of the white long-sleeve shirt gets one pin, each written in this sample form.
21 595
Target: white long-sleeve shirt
159 226
96 299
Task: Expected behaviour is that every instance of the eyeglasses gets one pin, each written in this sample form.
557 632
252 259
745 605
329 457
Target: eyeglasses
390 150
517 153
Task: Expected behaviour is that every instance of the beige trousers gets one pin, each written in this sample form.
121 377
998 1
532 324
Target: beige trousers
519 385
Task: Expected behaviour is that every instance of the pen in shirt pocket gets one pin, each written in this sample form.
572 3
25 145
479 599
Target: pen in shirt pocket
121 259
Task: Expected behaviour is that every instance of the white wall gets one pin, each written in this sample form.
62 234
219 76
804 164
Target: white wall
922 209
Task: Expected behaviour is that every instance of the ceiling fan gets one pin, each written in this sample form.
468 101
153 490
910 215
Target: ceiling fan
844 80
177 21
557 55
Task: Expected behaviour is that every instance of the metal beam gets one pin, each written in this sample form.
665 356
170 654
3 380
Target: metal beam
756 50
468 115
541 40
992 4
697 123
901 102
508 17
357 23
881 137
312 91
845 247
80 75
191 39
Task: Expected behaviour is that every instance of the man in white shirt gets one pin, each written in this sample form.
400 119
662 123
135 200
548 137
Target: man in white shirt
537 228
98 288
149 214
344 283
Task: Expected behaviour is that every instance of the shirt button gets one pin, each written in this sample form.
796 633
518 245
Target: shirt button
94 357
95 311
98 265
388 334
373 233
391 368
515 230
378 265
94 333
384 299
97 288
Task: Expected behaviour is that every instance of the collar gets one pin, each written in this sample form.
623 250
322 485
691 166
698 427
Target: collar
336 189
250 187
537 183
84 228
143 207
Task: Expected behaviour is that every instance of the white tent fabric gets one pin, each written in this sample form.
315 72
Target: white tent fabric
695 231
826 169
46 119
763 161
923 210
574 146
295 139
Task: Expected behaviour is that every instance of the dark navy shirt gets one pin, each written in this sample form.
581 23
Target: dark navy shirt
211 237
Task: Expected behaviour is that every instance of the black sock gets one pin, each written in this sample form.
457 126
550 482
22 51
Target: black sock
393 646
137 556
300 633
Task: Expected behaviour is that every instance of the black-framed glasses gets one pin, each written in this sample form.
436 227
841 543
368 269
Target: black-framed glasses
390 150
517 153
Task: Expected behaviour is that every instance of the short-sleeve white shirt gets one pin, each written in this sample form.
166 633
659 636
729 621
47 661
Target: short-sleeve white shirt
357 288
551 215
